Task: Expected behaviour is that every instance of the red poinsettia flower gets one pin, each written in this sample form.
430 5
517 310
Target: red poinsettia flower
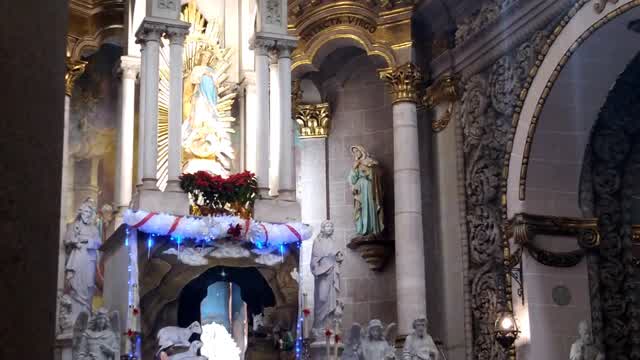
327 333
135 311
234 231
337 337
306 312
130 333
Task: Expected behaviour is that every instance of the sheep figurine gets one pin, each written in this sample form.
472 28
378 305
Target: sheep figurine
191 354
176 336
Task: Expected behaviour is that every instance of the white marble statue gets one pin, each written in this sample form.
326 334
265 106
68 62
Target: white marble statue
419 345
170 336
378 343
97 338
584 348
81 242
325 267
191 354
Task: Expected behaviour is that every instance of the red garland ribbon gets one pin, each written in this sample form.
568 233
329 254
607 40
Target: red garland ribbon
144 220
173 227
266 234
294 232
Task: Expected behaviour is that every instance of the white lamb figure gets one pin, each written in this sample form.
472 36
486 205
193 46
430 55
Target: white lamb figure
176 336
191 354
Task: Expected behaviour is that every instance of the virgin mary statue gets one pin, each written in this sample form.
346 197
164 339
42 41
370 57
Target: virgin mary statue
366 188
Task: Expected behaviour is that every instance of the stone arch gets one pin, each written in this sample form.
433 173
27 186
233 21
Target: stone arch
309 57
581 24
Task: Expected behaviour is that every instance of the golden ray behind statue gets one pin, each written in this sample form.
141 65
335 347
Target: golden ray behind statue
207 100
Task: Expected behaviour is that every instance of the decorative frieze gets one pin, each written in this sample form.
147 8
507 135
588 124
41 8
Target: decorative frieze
488 14
404 82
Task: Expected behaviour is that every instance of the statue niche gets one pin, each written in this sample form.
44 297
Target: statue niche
368 214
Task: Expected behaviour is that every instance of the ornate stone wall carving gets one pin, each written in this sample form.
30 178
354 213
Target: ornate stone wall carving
274 12
485 114
486 15
614 278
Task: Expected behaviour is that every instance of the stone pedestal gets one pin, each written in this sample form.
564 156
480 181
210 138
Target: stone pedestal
318 350
170 202
275 210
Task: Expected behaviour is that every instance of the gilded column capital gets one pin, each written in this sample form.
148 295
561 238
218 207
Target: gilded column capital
444 91
404 81
313 120
74 69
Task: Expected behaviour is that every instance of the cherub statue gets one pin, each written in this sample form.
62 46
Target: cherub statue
584 348
97 338
419 345
377 344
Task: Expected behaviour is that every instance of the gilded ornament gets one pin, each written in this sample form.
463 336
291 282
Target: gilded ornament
404 81
313 120
445 90
75 68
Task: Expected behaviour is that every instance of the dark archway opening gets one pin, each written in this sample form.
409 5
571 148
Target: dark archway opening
254 289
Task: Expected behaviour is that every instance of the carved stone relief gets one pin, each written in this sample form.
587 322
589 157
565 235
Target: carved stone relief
486 15
615 281
274 12
485 116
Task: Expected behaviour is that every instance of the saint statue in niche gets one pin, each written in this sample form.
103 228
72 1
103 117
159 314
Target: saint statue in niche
325 267
366 187
81 242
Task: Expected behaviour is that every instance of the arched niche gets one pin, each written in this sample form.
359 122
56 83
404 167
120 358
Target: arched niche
563 98
563 94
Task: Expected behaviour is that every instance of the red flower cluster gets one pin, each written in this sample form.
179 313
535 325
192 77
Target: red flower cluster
234 231
337 337
306 312
135 311
238 191
327 333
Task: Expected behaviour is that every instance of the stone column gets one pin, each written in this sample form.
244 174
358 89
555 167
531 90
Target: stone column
261 48
150 33
286 170
409 241
275 123
141 116
176 36
130 66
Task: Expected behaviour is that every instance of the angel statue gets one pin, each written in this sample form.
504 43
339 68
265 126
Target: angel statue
419 345
81 243
377 344
97 338
366 187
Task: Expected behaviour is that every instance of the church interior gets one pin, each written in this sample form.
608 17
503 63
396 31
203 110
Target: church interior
320 180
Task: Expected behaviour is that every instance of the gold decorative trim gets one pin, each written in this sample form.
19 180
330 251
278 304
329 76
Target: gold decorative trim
524 227
75 68
313 120
445 90
547 90
404 81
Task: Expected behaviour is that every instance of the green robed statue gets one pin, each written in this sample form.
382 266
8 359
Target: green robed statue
366 188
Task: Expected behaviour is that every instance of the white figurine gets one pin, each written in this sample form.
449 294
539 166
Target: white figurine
176 336
584 348
191 354
419 345
377 344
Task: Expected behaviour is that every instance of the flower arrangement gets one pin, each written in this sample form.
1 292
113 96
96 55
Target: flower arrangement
215 195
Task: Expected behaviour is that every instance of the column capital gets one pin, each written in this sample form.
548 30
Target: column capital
285 47
313 120
177 33
74 69
150 31
129 66
405 81
261 46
